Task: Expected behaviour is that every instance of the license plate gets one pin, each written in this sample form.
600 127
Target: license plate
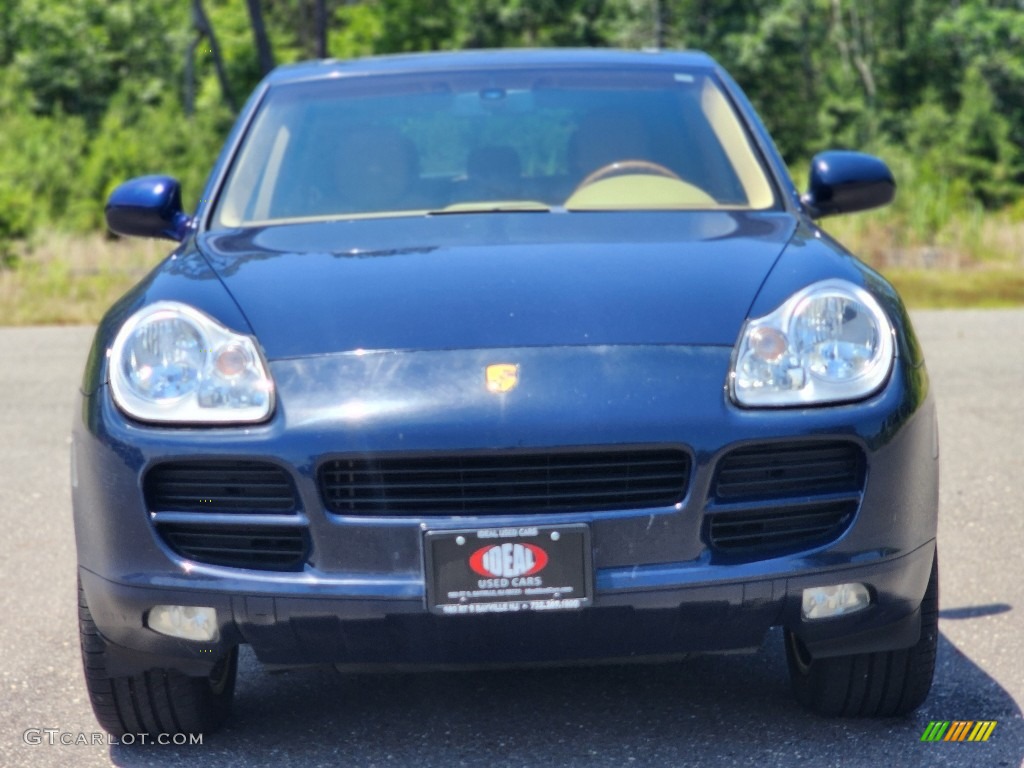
504 570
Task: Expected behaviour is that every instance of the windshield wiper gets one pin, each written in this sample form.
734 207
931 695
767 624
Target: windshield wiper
524 206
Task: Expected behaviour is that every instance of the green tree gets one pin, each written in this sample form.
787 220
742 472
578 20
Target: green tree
9 11
518 23
988 36
981 151
40 173
132 141
92 91
73 56
417 25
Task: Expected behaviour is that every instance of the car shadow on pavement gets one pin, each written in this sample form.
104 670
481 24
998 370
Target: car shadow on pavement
718 710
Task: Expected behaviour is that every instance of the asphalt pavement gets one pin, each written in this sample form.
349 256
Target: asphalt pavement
714 711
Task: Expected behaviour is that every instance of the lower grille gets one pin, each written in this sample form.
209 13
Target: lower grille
777 498
779 528
790 469
219 485
267 548
498 483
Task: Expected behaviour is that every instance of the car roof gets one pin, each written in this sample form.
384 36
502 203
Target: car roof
486 59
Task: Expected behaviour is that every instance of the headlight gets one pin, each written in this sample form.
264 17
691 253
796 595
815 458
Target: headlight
830 342
172 363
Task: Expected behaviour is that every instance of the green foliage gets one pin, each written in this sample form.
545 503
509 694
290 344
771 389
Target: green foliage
9 11
772 52
990 39
94 91
983 154
42 156
136 139
355 31
416 25
231 22
427 25
74 55
15 223
514 23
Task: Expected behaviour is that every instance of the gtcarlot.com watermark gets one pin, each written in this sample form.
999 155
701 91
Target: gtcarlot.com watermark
55 736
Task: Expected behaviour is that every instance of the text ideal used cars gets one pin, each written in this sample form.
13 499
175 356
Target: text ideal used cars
511 357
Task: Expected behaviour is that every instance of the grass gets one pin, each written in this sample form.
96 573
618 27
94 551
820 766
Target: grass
987 287
973 260
968 239
71 279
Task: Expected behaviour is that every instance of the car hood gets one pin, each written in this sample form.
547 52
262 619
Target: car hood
498 280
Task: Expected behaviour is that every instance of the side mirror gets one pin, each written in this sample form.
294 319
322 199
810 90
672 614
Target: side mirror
149 206
844 182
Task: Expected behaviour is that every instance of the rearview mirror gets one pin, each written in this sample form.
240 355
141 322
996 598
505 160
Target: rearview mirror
148 206
844 182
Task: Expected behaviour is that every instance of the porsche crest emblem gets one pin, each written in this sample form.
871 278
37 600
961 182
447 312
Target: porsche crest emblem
502 377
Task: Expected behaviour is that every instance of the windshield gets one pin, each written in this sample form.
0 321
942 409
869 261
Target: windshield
503 140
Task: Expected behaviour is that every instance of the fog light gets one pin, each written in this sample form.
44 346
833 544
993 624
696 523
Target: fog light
826 602
185 621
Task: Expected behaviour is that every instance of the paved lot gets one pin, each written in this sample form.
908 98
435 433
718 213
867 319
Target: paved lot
716 711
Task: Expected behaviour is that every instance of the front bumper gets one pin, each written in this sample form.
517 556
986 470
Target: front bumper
659 588
365 632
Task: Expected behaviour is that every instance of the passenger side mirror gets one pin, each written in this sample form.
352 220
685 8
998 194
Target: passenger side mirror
844 182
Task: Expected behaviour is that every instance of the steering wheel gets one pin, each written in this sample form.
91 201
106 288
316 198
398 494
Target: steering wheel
626 166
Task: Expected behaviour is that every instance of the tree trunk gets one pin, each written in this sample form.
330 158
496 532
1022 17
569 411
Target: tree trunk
205 29
190 77
321 29
658 11
259 34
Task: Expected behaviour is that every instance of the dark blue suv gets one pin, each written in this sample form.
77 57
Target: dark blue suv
503 357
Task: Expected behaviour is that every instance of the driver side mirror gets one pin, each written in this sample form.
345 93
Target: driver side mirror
148 206
844 182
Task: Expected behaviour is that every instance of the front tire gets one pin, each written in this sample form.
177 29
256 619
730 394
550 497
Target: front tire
882 684
157 701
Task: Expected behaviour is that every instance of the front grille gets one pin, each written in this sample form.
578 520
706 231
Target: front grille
513 482
771 499
793 469
219 486
778 528
269 548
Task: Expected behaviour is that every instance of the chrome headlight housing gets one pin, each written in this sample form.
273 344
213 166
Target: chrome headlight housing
172 363
830 342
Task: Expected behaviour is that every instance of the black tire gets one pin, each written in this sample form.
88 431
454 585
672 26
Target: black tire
157 701
883 684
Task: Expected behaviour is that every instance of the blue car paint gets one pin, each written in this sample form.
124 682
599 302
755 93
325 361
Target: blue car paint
847 171
156 200
647 559
659 373
499 280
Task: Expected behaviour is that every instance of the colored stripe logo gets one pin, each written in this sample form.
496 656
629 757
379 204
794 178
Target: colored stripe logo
958 730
